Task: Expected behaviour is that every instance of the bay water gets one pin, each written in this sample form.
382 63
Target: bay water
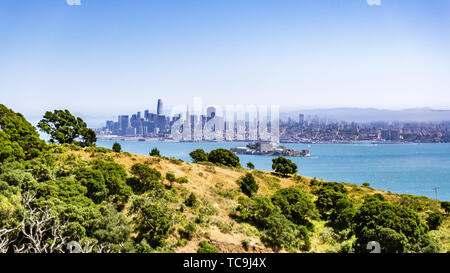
401 168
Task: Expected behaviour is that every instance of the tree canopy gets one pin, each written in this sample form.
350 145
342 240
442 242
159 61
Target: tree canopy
63 127
284 166
223 157
18 138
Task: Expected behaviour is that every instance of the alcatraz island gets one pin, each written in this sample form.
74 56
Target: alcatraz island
269 149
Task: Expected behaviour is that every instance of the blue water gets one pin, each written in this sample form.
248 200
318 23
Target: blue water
401 168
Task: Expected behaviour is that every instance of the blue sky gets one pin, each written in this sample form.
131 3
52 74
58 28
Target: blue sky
115 56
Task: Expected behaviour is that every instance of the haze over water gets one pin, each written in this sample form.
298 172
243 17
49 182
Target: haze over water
401 168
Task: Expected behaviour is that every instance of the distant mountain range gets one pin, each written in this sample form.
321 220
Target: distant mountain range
371 114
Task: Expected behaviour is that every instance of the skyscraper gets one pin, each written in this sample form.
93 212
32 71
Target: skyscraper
124 123
159 110
301 119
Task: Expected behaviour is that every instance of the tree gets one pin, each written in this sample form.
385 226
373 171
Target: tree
9 150
149 178
296 205
94 182
199 155
223 157
248 184
250 165
282 233
114 175
155 152
434 220
153 221
116 147
16 131
284 166
63 127
396 228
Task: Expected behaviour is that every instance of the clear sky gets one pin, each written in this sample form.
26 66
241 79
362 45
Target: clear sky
115 56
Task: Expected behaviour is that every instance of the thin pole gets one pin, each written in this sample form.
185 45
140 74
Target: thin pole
435 190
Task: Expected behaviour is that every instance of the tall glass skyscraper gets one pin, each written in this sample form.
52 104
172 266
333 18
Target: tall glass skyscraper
159 110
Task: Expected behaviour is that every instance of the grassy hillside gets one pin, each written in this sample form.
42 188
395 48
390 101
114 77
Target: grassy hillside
217 190
113 201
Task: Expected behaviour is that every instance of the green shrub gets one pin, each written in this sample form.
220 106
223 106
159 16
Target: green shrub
191 201
188 231
395 227
284 166
148 178
198 155
223 157
205 247
434 220
250 165
296 205
248 184
153 221
170 177
182 180
116 147
155 152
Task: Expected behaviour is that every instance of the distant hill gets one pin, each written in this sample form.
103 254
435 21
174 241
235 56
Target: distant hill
371 114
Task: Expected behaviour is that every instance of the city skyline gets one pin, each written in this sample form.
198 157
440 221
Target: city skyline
96 58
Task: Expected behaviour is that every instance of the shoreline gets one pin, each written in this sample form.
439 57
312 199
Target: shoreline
156 139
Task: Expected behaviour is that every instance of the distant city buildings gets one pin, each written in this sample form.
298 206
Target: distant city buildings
314 130
310 129
148 125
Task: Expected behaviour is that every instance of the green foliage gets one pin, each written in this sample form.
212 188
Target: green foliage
282 233
284 166
250 165
170 177
445 205
9 150
112 227
328 195
188 231
365 184
198 155
155 152
205 247
296 205
94 181
396 228
192 201
256 210
434 220
182 180
18 138
223 157
248 184
148 178
114 175
63 127
116 147
153 221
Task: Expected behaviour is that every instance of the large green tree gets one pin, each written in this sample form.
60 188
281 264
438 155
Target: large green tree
397 228
63 127
223 157
18 138
199 155
284 166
